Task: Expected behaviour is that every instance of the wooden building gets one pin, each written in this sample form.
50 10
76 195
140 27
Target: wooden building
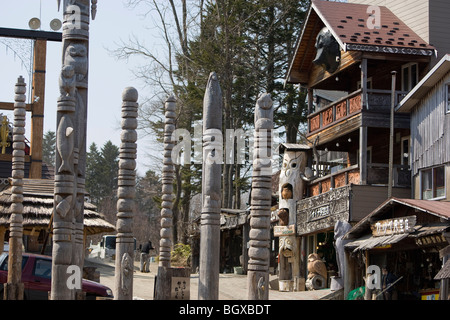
37 215
343 48
405 235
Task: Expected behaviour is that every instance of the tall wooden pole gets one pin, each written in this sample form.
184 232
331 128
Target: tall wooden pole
14 287
37 117
261 198
166 242
208 287
68 224
391 136
125 195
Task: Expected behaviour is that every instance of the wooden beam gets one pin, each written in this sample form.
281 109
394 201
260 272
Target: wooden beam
37 113
30 34
10 106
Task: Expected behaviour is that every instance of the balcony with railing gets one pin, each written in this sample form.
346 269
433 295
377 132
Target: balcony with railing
377 174
355 103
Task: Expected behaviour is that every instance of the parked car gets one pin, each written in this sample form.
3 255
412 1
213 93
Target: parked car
5 246
36 277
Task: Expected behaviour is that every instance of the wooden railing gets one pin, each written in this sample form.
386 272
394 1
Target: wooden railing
377 174
339 110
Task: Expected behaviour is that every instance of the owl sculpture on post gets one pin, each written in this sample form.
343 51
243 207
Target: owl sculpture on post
317 275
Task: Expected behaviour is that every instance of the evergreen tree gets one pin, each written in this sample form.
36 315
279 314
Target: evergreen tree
49 148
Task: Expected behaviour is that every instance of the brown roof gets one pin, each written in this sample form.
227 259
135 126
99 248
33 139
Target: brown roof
351 24
444 273
437 208
348 22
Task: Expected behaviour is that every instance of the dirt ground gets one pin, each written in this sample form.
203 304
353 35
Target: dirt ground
231 286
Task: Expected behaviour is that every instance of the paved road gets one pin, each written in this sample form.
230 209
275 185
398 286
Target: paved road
231 286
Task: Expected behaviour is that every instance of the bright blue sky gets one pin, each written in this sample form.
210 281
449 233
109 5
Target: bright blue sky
107 75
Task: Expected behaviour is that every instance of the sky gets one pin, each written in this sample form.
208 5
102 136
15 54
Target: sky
108 76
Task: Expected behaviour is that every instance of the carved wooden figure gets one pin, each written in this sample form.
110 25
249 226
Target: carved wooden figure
166 242
208 287
14 287
68 224
261 199
290 191
125 195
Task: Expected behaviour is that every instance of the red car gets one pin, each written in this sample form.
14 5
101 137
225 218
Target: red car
36 277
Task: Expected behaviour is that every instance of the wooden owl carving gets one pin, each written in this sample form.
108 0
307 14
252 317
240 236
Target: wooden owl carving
286 193
316 266
76 56
283 215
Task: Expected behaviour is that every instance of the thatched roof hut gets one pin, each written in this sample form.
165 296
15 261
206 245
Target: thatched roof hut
38 206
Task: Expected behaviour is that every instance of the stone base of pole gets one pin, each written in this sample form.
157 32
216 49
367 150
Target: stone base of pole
172 284
13 291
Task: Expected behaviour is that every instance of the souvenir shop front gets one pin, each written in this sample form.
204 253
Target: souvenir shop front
400 241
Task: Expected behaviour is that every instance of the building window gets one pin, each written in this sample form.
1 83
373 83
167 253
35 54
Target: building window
433 183
405 150
410 76
447 100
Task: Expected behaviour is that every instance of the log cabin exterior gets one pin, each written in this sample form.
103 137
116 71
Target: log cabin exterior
357 125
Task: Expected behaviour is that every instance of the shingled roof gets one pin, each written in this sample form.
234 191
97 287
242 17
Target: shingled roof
351 26
38 207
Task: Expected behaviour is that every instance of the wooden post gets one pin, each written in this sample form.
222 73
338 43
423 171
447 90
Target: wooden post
166 242
37 113
364 95
125 195
259 252
68 219
363 155
391 136
14 287
208 286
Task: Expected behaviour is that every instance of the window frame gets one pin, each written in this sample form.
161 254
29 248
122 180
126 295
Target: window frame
433 179
409 66
447 98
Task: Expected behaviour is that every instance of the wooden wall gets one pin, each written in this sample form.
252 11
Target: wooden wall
367 198
430 129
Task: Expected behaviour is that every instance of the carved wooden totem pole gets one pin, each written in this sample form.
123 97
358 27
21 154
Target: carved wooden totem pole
208 287
261 199
166 283
290 191
166 242
14 287
293 177
68 247
125 195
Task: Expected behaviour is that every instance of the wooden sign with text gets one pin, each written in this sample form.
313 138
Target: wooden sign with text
393 226
279 231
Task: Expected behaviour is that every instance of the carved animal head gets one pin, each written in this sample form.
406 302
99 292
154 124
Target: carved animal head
283 215
328 51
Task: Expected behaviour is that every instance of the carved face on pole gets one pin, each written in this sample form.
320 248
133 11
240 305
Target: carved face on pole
291 184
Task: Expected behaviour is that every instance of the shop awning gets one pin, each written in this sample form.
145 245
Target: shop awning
444 273
369 242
